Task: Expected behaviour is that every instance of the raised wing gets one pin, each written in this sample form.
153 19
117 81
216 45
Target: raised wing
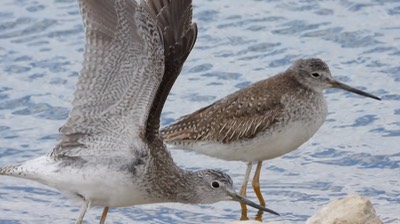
174 19
238 116
122 70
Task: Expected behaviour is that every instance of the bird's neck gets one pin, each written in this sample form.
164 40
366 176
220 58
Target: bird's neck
172 184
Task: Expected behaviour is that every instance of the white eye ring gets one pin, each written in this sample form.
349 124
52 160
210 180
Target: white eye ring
215 184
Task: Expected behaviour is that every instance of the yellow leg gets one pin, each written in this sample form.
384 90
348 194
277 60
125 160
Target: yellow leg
256 187
243 191
104 215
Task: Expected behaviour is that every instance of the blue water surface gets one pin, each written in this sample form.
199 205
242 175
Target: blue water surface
356 150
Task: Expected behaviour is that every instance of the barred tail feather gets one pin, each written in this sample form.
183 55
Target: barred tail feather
13 170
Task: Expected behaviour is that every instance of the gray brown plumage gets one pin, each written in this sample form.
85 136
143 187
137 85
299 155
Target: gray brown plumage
238 116
110 153
179 36
258 109
262 121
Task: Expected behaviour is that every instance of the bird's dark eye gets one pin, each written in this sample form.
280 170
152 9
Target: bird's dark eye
316 75
215 184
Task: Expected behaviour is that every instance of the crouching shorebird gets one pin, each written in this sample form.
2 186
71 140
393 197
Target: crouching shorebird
262 121
110 152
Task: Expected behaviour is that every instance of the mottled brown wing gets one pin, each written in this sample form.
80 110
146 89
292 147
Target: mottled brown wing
241 115
174 20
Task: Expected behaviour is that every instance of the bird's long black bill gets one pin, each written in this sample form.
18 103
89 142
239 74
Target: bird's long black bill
239 198
339 85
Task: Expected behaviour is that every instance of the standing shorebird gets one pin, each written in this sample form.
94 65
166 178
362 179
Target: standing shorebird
262 121
111 153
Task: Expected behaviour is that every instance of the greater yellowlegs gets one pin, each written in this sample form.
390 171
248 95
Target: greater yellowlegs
110 152
262 121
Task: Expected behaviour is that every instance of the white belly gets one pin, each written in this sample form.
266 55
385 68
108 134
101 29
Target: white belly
264 146
101 185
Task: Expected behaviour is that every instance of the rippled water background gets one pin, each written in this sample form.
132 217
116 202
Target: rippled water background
356 151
